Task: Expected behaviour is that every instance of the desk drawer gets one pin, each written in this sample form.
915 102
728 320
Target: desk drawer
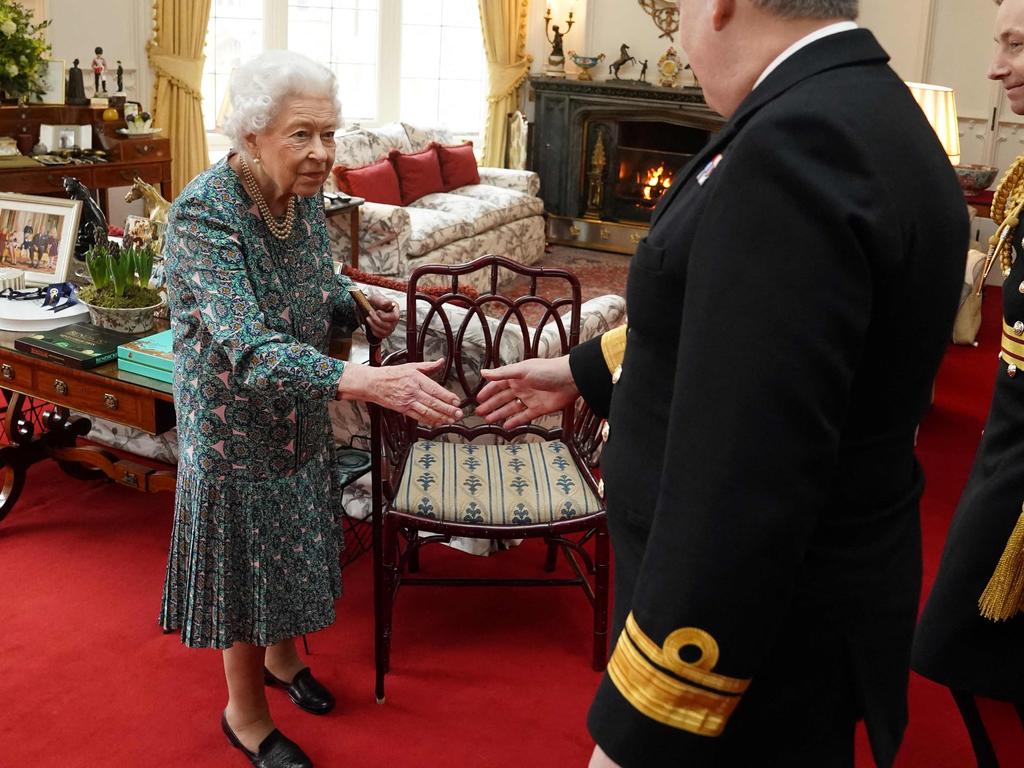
46 181
145 150
152 173
79 391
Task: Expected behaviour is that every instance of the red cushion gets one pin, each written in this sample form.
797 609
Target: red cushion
458 166
377 183
419 173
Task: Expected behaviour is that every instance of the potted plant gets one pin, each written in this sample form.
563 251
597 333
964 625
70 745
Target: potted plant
23 48
120 297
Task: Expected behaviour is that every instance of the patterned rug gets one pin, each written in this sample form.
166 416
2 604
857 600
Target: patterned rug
599 274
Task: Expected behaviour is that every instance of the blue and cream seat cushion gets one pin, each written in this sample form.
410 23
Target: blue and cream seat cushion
511 484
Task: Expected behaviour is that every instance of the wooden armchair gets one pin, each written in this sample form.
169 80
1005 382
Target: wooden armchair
472 479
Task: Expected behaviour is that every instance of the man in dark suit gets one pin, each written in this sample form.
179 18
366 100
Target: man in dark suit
787 314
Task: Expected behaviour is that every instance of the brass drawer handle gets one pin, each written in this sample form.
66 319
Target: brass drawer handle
7 372
635 238
60 387
110 401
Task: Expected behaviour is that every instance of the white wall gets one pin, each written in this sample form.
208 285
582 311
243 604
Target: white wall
121 28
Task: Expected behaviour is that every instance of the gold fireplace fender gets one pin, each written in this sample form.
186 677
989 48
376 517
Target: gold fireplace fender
610 236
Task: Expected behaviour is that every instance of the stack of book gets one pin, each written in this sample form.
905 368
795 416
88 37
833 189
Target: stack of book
78 345
149 356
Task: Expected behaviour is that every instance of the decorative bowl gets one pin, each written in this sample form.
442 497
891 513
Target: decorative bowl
127 320
585 63
974 178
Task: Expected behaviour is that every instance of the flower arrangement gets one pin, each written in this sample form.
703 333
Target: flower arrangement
120 277
120 297
22 51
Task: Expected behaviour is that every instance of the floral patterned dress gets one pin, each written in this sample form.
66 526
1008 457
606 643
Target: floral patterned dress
255 544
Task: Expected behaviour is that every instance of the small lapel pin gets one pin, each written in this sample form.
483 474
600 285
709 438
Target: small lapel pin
708 170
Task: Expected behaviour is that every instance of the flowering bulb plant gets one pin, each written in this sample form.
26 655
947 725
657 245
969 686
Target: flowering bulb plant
22 50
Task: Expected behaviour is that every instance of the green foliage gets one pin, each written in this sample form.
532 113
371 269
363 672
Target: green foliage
22 50
120 277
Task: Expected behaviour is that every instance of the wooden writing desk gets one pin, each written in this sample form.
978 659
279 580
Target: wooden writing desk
147 158
38 397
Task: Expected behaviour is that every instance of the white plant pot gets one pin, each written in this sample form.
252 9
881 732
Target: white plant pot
129 320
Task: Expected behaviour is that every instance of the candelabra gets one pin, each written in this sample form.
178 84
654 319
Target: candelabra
556 59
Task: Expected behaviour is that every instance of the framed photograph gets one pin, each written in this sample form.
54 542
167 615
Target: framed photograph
139 231
62 137
37 235
53 79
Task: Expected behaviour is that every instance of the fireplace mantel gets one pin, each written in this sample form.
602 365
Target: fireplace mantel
562 148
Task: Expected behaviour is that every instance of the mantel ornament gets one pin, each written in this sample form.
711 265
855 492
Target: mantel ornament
665 14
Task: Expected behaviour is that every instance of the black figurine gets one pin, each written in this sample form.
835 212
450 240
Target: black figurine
92 227
120 77
76 86
623 60
643 72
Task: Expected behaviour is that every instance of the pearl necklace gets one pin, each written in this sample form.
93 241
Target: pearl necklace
280 230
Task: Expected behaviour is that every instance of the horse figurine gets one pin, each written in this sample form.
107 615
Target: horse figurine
623 60
92 227
156 206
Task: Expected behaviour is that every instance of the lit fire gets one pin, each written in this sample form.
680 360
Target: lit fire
656 183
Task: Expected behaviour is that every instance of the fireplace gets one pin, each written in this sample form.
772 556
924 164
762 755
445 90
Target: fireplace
607 152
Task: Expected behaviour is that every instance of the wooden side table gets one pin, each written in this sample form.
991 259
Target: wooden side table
351 206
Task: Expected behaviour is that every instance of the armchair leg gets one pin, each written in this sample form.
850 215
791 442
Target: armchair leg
552 557
413 560
601 568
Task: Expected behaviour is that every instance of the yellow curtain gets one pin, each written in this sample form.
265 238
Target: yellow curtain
504 27
176 55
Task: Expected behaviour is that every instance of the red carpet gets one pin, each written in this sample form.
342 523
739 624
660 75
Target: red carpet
480 677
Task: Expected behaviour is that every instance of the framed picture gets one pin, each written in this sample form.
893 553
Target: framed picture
61 137
139 231
37 235
53 79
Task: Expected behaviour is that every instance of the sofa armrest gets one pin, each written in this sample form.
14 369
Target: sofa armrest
384 233
526 182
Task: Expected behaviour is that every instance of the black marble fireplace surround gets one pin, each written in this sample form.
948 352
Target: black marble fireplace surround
596 145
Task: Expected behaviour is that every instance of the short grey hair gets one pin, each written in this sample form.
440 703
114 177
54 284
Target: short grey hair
811 9
261 86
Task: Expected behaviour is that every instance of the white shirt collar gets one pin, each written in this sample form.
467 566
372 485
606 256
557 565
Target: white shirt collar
831 29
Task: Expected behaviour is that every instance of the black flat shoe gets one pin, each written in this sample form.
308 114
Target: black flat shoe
276 751
305 690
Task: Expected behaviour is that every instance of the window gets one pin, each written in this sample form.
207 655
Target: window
438 78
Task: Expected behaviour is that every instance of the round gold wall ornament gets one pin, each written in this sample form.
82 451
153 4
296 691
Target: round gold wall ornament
665 14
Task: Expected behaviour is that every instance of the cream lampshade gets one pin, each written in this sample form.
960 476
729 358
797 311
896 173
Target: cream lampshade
939 105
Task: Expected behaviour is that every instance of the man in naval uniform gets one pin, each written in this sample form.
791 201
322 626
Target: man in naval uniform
787 314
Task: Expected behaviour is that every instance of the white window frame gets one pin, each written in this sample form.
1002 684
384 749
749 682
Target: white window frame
389 67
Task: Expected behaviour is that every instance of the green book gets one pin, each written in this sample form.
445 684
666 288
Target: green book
139 369
153 351
78 345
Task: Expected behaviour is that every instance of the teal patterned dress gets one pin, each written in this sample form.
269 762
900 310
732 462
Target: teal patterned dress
254 553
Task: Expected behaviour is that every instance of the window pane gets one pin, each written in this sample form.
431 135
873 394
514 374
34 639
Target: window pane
419 101
421 51
461 104
461 13
421 11
461 53
357 85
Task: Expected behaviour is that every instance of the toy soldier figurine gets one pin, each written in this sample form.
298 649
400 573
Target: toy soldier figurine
120 77
99 66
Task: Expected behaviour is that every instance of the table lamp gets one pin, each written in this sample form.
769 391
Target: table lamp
939 105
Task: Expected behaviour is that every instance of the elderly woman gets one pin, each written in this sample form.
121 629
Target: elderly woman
253 295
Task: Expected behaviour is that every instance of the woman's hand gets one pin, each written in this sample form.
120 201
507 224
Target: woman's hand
403 388
518 393
384 317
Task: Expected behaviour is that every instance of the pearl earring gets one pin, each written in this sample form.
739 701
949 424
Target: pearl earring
256 160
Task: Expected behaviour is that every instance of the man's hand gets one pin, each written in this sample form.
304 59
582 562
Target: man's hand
384 317
518 393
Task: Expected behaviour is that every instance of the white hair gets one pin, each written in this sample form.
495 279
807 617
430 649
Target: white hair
261 86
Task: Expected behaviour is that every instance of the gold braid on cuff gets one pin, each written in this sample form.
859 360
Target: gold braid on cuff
657 682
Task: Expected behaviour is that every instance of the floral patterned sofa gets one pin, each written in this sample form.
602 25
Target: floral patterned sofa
502 214
350 420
